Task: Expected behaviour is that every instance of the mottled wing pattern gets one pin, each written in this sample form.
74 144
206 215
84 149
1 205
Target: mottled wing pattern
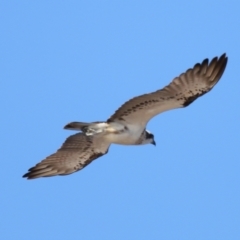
181 92
76 153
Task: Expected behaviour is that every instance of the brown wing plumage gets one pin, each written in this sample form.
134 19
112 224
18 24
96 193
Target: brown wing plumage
181 92
76 153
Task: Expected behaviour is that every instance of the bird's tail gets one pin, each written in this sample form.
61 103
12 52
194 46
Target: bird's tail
87 128
77 125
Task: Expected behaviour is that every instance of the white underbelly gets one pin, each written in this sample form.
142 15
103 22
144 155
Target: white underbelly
127 137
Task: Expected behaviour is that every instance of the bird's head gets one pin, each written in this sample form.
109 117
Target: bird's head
149 138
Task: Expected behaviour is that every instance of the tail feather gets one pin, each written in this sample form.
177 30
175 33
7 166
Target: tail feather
77 126
88 128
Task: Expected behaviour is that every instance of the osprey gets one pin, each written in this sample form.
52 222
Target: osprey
127 126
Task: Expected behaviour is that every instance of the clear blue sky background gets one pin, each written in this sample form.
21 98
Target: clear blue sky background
65 61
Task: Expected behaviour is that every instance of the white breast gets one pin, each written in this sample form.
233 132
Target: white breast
124 135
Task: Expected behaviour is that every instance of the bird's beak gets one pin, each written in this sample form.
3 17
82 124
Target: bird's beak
154 143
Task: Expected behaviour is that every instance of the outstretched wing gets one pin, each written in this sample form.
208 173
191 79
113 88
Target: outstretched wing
181 92
76 153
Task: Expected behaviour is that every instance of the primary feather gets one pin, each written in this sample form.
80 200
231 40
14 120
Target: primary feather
76 153
181 92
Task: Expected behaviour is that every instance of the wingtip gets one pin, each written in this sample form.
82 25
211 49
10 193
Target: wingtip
26 176
224 56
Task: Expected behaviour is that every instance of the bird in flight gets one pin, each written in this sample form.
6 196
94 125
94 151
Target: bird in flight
127 126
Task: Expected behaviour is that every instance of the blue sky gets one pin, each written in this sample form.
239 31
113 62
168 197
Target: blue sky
65 61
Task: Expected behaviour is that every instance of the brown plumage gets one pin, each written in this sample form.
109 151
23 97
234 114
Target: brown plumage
181 92
128 124
76 153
